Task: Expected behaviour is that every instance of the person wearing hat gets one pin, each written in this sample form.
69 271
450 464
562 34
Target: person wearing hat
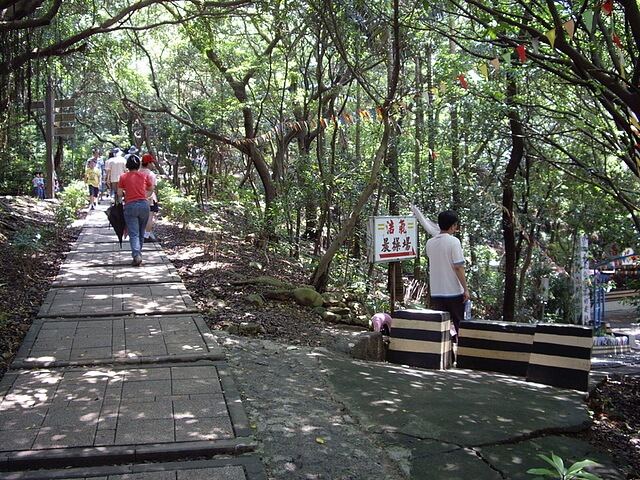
92 177
147 163
135 187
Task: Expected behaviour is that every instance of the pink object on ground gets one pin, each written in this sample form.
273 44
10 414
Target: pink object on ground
381 323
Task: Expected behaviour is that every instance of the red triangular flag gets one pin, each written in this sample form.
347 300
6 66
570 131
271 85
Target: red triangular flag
522 53
463 82
617 41
607 7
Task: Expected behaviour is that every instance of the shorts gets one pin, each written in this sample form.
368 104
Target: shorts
154 207
93 191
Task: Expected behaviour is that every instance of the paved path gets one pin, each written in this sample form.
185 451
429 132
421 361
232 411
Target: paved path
120 377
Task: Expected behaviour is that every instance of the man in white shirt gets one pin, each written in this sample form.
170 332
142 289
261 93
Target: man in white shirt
116 166
447 280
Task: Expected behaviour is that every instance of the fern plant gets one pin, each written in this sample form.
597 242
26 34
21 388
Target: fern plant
574 472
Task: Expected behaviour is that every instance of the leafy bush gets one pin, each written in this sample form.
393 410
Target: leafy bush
176 206
27 243
74 196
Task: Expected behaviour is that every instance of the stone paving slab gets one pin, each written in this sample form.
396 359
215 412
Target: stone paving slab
62 415
73 274
113 246
118 257
246 467
129 340
98 235
167 298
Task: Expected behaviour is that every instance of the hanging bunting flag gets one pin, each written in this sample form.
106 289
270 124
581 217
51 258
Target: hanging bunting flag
443 88
463 81
522 53
633 120
535 45
587 18
551 35
623 72
496 64
434 92
507 57
617 41
484 70
607 7
570 27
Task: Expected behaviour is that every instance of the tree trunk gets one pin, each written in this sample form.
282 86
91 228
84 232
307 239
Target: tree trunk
508 214
320 277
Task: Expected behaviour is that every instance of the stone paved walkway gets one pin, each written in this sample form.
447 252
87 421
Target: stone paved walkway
120 377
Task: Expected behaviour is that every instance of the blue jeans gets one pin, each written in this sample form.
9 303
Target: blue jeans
136 215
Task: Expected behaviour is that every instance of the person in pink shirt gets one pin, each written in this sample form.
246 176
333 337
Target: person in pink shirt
136 189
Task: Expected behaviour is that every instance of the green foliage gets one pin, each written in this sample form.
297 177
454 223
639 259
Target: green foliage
573 472
74 196
178 207
27 243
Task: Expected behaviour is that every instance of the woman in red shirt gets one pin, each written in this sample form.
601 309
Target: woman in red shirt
135 187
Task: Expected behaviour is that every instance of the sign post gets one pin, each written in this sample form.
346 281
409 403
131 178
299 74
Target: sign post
392 239
56 124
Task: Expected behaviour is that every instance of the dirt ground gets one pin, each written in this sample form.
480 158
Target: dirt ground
210 269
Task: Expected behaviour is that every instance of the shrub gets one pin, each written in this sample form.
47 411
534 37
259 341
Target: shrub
74 196
177 206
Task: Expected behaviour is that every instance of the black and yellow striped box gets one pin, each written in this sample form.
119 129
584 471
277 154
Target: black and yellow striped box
561 356
420 338
503 347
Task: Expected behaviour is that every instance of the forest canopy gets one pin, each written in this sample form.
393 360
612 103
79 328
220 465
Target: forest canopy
315 115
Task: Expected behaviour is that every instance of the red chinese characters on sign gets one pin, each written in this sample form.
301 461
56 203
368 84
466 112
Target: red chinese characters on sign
393 238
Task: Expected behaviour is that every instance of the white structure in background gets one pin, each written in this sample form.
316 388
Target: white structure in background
581 283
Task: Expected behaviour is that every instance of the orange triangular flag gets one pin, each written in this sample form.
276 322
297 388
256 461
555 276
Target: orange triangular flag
570 27
522 53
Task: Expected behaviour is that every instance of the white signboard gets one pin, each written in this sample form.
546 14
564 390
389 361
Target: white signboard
392 239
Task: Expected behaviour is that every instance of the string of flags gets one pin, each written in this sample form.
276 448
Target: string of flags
372 114
282 128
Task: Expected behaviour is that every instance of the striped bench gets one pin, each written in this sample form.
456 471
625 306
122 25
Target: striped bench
420 338
561 356
503 347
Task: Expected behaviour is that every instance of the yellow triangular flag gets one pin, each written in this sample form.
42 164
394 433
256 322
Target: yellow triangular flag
551 35
484 70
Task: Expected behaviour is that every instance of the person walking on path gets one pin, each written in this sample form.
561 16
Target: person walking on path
135 188
447 280
92 177
147 163
116 166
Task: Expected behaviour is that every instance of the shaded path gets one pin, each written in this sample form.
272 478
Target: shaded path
120 370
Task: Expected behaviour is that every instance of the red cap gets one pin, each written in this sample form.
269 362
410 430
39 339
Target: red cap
148 158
